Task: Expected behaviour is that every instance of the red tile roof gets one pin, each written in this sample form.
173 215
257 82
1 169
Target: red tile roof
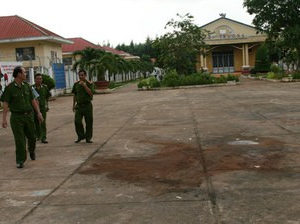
114 51
80 44
15 27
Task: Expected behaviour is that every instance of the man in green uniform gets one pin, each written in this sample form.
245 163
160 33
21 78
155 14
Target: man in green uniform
82 106
18 97
44 94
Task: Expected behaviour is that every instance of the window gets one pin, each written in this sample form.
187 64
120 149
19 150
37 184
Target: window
223 62
53 56
25 54
67 61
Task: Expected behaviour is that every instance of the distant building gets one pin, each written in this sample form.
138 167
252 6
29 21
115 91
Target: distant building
36 48
79 44
232 46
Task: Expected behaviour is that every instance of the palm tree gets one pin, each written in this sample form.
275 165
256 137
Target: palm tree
103 64
84 59
96 62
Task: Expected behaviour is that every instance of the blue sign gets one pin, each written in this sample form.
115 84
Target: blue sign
59 75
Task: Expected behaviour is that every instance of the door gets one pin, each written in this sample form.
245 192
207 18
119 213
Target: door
223 62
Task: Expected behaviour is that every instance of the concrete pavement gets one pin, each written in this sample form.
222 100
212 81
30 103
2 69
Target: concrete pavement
201 155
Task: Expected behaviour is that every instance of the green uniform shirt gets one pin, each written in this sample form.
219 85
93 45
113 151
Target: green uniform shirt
18 97
44 96
81 96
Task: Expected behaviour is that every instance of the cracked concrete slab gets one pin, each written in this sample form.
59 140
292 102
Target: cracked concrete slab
164 157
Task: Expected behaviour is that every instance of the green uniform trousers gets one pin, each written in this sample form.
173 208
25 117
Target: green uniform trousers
86 111
22 126
41 129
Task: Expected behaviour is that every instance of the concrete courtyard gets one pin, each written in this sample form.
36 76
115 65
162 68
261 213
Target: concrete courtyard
199 156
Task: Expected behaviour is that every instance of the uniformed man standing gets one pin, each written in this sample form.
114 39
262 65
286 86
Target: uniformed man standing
18 97
82 106
44 94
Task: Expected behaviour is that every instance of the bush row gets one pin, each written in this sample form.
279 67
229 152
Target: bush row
275 73
172 79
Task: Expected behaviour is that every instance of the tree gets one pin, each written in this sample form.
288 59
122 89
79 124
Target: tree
85 59
280 19
262 60
48 81
139 49
97 62
178 49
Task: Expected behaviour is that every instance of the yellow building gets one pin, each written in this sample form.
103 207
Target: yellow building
34 46
232 46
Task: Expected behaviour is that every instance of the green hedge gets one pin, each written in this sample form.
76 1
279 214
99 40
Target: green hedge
153 82
296 75
272 75
172 79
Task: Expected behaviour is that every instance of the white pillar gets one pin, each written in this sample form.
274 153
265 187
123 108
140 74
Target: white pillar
31 76
246 66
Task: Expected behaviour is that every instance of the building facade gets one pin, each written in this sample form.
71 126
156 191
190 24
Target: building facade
33 46
231 48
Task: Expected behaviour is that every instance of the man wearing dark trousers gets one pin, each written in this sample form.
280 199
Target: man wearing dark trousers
44 94
19 99
83 91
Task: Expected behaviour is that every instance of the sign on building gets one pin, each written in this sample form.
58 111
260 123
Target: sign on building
59 75
6 70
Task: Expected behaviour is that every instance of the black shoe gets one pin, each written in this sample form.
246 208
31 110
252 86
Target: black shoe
32 155
78 140
88 141
20 165
44 141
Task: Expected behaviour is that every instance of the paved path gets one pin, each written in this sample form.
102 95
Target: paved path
202 155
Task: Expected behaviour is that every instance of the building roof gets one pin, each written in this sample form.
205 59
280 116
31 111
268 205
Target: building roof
114 51
244 24
224 31
79 44
17 29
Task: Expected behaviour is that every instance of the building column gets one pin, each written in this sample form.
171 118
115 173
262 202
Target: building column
205 63
201 62
204 60
247 55
246 66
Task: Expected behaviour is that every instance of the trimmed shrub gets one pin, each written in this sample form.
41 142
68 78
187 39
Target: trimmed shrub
188 80
153 82
171 79
111 85
296 75
206 78
221 79
48 81
272 75
143 83
275 68
232 78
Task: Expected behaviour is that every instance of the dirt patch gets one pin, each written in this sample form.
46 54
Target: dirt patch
178 167
175 167
265 156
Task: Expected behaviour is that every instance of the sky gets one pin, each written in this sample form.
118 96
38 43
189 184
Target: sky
119 21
